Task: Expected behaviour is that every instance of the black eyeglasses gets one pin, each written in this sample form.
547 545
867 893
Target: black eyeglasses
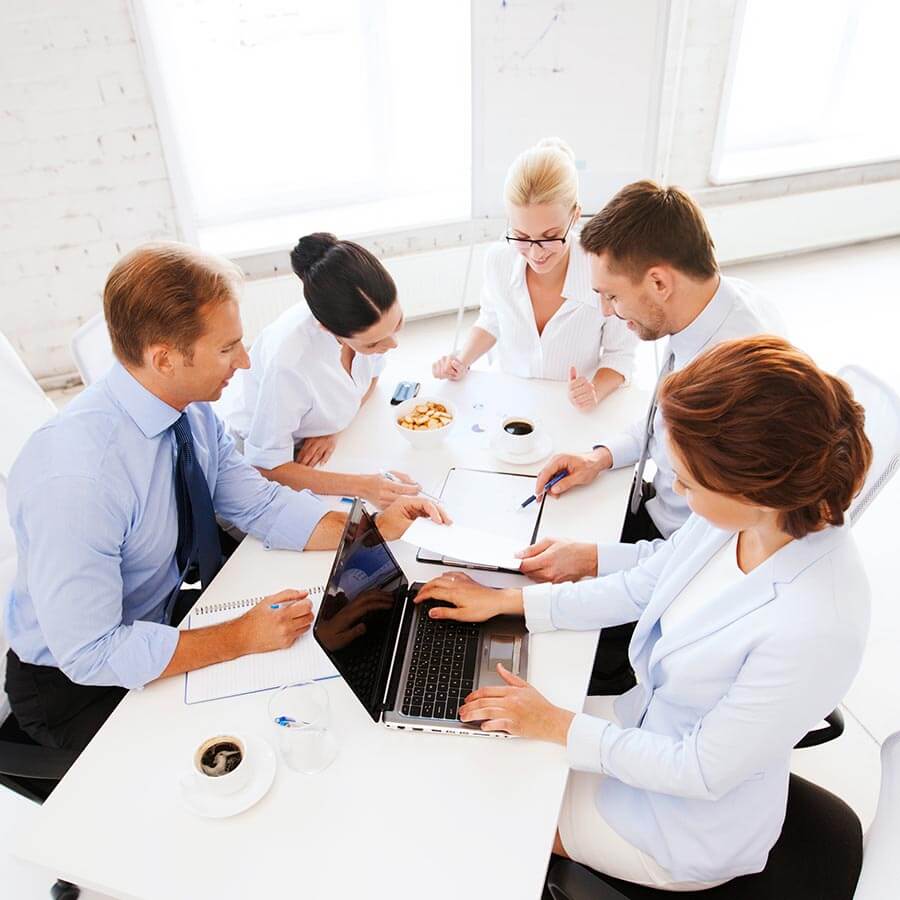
525 243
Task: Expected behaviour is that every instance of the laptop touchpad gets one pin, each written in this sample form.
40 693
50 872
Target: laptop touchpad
499 648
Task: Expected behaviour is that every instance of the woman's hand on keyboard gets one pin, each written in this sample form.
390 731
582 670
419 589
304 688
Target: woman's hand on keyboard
472 602
517 708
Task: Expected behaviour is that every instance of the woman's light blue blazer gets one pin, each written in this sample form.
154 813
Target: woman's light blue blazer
698 772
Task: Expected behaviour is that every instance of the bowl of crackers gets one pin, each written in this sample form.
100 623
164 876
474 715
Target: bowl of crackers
424 423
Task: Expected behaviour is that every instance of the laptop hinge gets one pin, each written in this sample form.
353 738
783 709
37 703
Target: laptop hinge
393 683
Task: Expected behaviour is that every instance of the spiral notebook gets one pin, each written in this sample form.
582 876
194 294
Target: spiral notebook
303 661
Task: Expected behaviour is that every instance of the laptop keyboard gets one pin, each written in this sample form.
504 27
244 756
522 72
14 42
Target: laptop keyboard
442 667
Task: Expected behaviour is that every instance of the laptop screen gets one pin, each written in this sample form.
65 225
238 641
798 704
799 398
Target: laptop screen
361 611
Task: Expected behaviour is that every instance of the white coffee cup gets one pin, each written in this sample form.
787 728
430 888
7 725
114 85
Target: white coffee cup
215 753
518 435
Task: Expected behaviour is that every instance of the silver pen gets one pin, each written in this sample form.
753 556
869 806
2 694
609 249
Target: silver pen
392 477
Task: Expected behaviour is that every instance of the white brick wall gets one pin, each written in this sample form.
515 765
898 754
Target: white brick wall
82 176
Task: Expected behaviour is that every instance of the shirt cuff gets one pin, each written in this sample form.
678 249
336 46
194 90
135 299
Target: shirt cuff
267 457
622 449
584 743
537 600
616 557
296 521
144 654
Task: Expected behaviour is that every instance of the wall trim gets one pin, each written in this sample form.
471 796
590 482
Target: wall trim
750 230
799 223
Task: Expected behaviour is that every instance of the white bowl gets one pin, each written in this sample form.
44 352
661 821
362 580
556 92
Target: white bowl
423 439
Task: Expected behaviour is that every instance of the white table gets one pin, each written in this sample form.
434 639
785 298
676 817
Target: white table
398 814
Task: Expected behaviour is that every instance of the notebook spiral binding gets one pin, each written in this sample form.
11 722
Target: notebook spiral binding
209 609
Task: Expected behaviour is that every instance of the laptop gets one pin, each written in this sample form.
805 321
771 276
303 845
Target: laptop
408 670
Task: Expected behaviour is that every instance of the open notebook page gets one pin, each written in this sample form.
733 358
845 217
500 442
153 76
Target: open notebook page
303 661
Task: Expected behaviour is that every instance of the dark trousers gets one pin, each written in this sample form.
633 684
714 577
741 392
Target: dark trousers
612 672
55 711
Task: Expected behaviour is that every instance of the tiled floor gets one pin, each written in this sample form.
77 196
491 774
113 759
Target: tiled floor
842 306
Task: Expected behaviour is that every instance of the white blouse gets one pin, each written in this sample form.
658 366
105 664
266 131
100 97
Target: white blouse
719 574
578 334
295 388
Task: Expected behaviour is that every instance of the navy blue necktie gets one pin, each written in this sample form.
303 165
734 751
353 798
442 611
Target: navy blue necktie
198 534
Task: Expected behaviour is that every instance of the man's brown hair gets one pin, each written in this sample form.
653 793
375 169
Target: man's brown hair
757 419
646 224
156 295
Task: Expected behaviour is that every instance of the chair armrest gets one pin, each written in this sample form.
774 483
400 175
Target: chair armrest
34 761
569 880
833 729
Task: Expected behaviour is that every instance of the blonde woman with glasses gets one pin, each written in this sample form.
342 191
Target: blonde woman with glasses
537 305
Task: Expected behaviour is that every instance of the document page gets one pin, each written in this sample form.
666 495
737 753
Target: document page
489 503
456 542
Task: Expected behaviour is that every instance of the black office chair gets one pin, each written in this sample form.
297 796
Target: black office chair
818 857
32 771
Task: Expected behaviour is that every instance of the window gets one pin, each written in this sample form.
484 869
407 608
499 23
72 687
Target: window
811 87
284 116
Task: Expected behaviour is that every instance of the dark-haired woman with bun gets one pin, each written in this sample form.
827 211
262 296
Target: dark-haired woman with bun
751 624
312 369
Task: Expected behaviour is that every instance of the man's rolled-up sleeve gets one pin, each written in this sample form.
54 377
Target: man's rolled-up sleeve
75 532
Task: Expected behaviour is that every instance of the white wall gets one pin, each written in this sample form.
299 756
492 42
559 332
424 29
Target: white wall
691 101
82 177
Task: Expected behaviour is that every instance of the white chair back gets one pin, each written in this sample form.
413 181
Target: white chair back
25 406
92 349
881 854
882 406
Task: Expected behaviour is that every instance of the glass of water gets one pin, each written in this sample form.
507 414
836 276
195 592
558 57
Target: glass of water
301 717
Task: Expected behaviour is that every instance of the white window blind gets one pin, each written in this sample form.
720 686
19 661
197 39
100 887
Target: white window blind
812 86
283 117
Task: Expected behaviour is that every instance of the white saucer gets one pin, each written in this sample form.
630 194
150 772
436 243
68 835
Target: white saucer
212 807
543 447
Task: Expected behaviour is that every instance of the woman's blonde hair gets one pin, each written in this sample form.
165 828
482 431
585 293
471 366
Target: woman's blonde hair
544 173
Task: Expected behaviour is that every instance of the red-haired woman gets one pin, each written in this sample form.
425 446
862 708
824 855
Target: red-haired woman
751 622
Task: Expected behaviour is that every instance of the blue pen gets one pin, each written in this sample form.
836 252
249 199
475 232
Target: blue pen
557 477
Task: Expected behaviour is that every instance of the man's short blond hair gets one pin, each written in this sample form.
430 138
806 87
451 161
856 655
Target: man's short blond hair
156 295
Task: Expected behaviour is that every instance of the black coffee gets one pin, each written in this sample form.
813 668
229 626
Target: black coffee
518 428
220 758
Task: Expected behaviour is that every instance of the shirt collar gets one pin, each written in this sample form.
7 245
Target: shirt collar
688 342
149 413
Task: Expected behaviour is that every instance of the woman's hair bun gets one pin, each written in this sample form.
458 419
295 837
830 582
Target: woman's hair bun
310 250
557 144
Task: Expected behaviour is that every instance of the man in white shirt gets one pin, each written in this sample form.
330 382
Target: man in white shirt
653 263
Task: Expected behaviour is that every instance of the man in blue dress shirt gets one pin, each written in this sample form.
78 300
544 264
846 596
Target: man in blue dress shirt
114 501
